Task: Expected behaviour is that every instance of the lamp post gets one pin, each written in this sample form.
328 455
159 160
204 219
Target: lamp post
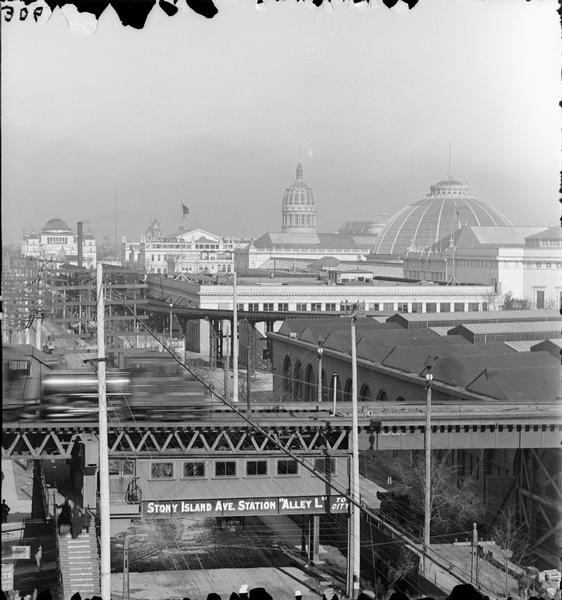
320 352
171 316
427 448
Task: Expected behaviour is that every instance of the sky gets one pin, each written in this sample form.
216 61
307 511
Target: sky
124 125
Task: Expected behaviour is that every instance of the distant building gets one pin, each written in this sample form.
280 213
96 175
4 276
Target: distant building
299 243
184 251
524 262
57 243
449 206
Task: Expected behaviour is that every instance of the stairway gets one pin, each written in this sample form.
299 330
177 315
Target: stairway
79 564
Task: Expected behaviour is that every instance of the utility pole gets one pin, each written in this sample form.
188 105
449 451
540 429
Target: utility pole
355 547
234 342
104 514
427 487
474 557
126 568
248 377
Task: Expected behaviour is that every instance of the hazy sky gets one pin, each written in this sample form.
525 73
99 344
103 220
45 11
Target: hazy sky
212 113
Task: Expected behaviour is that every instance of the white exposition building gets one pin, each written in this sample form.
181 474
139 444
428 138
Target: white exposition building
185 251
57 243
524 262
299 244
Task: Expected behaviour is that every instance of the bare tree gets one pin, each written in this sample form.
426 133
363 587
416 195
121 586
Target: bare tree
511 537
455 503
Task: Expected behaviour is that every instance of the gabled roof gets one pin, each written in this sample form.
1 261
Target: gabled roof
486 237
552 233
537 383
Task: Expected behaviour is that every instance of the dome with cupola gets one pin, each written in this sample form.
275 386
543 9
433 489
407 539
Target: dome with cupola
449 206
298 211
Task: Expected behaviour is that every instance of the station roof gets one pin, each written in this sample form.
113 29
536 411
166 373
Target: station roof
553 346
508 327
531 383
440 319
521 345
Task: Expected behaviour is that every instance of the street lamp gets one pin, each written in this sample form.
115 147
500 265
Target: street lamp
320 353
427 447
171 316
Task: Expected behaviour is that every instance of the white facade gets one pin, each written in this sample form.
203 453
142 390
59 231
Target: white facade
518 262
193 251
286 296
59 244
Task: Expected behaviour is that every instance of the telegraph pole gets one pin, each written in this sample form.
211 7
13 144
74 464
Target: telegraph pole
234 342
105 566
427 487
355 546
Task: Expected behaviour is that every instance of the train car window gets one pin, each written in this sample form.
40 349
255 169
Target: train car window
162 470
225 468
287 467
114 467
256 467
194 469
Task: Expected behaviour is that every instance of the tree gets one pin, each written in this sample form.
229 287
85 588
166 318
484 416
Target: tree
512 539
512 303
455 503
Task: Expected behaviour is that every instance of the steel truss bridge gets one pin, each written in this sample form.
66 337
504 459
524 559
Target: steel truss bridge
531 427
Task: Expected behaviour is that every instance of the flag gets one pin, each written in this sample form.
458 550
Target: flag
184 210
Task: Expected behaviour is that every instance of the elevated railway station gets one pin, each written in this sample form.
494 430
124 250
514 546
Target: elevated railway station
495 415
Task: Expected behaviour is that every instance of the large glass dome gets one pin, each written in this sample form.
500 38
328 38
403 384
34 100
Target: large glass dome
449 205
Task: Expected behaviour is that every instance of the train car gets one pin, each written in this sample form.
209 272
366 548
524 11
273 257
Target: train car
131 396
73 394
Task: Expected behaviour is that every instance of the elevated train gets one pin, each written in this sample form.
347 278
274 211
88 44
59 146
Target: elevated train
72 395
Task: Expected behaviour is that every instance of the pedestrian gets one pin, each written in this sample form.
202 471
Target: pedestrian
298 595
75 520
38 558
86 520
64 518
5 511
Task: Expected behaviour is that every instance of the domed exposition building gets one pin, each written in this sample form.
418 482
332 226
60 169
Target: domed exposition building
449 206
298 209
299 244
58 243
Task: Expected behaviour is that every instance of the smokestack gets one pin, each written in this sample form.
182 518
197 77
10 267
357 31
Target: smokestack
80 243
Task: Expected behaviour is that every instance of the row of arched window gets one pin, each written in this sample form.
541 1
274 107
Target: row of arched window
300 383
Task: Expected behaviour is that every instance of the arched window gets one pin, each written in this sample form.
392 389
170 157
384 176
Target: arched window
287 378
382 396
347 390
309 384
365 393
297 387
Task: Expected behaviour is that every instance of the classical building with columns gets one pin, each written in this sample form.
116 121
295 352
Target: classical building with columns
57 243
299 244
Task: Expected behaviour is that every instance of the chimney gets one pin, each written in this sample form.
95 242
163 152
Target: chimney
80 243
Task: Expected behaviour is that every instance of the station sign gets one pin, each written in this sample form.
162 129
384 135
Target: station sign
238 507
